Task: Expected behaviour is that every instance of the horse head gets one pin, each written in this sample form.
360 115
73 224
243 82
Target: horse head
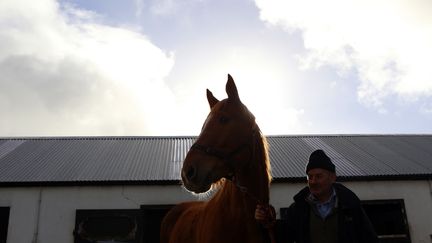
224 145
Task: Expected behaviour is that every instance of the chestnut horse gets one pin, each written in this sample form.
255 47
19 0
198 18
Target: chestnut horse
230 154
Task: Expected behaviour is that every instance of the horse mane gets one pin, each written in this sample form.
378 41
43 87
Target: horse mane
263 145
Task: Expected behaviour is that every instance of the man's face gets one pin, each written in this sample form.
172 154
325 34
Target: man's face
320 182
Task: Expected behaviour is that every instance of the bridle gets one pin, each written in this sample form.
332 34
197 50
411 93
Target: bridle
228 156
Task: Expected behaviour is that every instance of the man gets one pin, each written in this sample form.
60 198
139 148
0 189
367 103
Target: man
324 211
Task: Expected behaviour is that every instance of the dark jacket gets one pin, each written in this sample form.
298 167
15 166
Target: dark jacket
353 224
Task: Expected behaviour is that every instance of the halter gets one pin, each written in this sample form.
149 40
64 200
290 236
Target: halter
227 157
214 152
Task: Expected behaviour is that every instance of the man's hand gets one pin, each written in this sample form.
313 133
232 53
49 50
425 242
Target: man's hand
265 215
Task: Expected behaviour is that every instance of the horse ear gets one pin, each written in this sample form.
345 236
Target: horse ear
231 89
211 99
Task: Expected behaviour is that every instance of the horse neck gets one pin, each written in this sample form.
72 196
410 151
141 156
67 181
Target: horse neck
254 178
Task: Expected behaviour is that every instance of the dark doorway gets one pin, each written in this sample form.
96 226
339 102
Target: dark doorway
389 220
108 225
152 216
4 223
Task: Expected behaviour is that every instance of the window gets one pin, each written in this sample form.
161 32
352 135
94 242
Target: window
120 225
4 223
389 220
98 226
152 216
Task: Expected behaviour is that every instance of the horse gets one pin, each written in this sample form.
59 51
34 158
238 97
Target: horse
230 155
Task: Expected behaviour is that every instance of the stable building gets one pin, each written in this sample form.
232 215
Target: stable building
117 189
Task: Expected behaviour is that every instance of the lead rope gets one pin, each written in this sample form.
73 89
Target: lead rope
270 223
270 209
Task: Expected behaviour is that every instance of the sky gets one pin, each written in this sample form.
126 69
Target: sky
141 67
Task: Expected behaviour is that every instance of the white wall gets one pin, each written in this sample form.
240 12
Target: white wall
417 197
59 204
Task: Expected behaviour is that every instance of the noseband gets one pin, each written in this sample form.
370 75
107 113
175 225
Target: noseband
211 151
227 157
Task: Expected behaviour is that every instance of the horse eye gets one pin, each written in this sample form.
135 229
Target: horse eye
223 119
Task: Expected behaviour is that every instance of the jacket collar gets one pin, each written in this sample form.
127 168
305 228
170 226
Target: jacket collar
346 198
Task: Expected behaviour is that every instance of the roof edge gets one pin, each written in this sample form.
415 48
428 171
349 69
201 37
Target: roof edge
89 183
410 177
277 180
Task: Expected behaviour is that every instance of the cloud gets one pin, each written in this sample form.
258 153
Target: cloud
387 43
64 73
139 6
168 7
164 8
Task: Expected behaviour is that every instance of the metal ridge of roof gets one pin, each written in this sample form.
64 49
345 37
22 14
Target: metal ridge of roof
120 137
95 137
349 135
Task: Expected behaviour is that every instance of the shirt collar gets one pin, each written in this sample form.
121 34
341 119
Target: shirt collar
311 198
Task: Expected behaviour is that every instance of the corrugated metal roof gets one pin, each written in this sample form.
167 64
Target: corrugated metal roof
155 160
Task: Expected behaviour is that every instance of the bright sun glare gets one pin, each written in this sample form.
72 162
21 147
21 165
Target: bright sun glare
262 88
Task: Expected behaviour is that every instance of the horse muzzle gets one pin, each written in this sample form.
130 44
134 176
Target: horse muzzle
195 180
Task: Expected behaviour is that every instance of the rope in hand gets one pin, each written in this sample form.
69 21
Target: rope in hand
269 221
270 216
